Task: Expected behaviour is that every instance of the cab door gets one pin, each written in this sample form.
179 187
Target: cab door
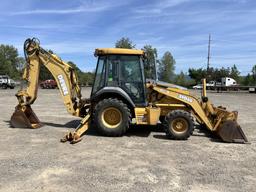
125 71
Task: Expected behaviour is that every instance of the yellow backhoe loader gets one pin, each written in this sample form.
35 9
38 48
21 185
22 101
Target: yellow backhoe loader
121 96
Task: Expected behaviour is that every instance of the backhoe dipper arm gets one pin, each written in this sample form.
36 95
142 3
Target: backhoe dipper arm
63 73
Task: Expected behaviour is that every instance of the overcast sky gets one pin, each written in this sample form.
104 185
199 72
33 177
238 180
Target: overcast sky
74 28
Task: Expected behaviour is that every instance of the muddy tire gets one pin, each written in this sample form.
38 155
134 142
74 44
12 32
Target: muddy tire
179 125
111 117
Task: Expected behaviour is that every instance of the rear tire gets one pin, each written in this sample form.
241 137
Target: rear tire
112 117
179 125
4 86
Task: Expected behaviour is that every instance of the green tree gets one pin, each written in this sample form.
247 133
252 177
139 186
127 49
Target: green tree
78 72
254 73
9 61
250 79
44 73
167 67
149 63
87 78
247 80
73 65
84 78
197 74
21 64
212 74
125 42
180 79
222 72
234 73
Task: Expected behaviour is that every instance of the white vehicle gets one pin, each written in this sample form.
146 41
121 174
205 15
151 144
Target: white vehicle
227 81
198 86
208 85
252 89
211 84
6 82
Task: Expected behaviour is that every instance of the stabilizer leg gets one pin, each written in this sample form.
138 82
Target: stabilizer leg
75 137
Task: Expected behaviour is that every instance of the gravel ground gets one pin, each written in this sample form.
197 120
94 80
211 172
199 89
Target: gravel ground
142 160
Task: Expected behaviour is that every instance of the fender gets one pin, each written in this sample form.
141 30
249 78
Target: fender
111 91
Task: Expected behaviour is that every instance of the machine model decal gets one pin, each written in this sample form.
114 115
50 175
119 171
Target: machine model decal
185 98
63 85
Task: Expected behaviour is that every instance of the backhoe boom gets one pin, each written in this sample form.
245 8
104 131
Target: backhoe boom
63 73
65 77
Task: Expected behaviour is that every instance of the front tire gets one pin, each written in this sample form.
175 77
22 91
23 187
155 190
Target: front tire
179 125
112 117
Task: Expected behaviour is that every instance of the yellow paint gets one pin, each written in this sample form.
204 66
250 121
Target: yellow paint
108 51
111 117
147 116
141 115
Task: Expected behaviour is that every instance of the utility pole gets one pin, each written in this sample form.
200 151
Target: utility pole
209 53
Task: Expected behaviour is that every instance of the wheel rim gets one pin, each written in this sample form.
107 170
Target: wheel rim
179 125
111 117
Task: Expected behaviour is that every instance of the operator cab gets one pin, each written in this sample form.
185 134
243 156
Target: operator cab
120 68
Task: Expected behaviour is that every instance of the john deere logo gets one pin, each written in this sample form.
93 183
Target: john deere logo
63 85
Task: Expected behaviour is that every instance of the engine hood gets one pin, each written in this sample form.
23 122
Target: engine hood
170 85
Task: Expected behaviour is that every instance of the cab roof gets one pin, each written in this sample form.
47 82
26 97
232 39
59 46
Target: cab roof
117 51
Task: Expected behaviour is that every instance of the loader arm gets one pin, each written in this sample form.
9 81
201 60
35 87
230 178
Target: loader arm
216 119
63 73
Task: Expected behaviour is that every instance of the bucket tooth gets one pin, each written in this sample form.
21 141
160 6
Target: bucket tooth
24 117
231 132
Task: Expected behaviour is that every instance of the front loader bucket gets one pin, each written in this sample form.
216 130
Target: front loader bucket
231 132
24 117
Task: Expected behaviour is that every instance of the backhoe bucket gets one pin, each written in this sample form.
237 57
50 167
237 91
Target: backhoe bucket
24 117
231 132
